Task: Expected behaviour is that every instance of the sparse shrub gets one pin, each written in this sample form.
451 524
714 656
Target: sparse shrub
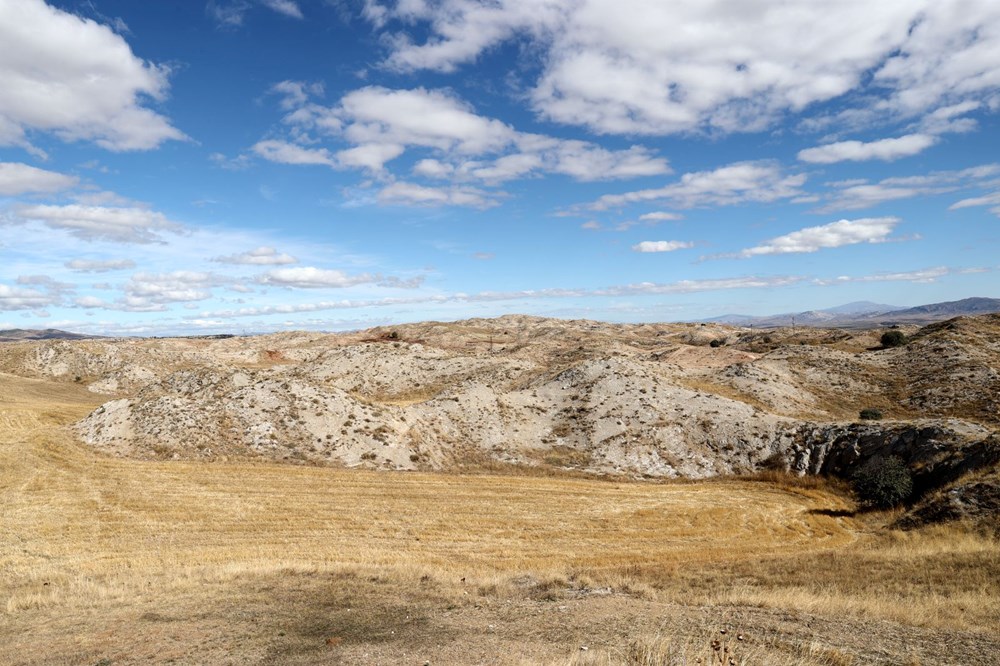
883 483
870 414
716 343
893 339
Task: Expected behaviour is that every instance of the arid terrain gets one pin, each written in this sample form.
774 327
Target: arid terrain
505 491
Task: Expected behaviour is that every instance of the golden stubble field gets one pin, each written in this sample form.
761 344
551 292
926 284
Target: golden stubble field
113 561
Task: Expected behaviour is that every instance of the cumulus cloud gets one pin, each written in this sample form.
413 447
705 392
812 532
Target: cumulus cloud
295 94
148 290
262 256
33 292
22 298
154 292
90 266
16 178
857 151
834 234
742 182
666 67
77 79
655 218
661 246
290 153
309 277
120 225
380 124
411 194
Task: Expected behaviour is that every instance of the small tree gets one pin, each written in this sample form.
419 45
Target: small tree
893 339
883 483
870 414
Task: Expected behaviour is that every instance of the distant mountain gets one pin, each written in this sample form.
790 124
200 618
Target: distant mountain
861 307
866 313
966 306
23 334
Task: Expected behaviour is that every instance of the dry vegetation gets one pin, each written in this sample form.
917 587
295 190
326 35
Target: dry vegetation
115 561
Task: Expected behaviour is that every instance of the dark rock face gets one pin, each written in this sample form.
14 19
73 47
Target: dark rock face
936 451
976 502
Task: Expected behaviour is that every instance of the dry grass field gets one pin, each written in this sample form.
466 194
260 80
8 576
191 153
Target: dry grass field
114 561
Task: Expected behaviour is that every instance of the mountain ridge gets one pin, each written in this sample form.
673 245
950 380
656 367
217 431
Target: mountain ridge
867 314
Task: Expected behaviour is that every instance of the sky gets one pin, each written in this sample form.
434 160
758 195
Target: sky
244 166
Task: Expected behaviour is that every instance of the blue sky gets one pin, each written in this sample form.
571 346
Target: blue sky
264 165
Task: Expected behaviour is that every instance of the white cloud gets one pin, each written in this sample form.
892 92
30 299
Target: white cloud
950 118
76 78
992 199
661 217
232 13
371 156
145 289
33 292
923 275
431 168
262 256
238 163
743 182
308 277
640 67
89 266
21 298
380 124
587 162
661 246
857 197
290 153
17 178
856 151
411 194
859 193
286 7
121 225
295 94
834 234
420 117
153 292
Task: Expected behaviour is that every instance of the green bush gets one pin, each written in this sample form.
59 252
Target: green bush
716 343
870 414
883 483
893 339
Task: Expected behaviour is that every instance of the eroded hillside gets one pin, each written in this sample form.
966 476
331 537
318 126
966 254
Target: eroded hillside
689 400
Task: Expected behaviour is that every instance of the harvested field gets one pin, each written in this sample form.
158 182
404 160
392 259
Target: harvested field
116 561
